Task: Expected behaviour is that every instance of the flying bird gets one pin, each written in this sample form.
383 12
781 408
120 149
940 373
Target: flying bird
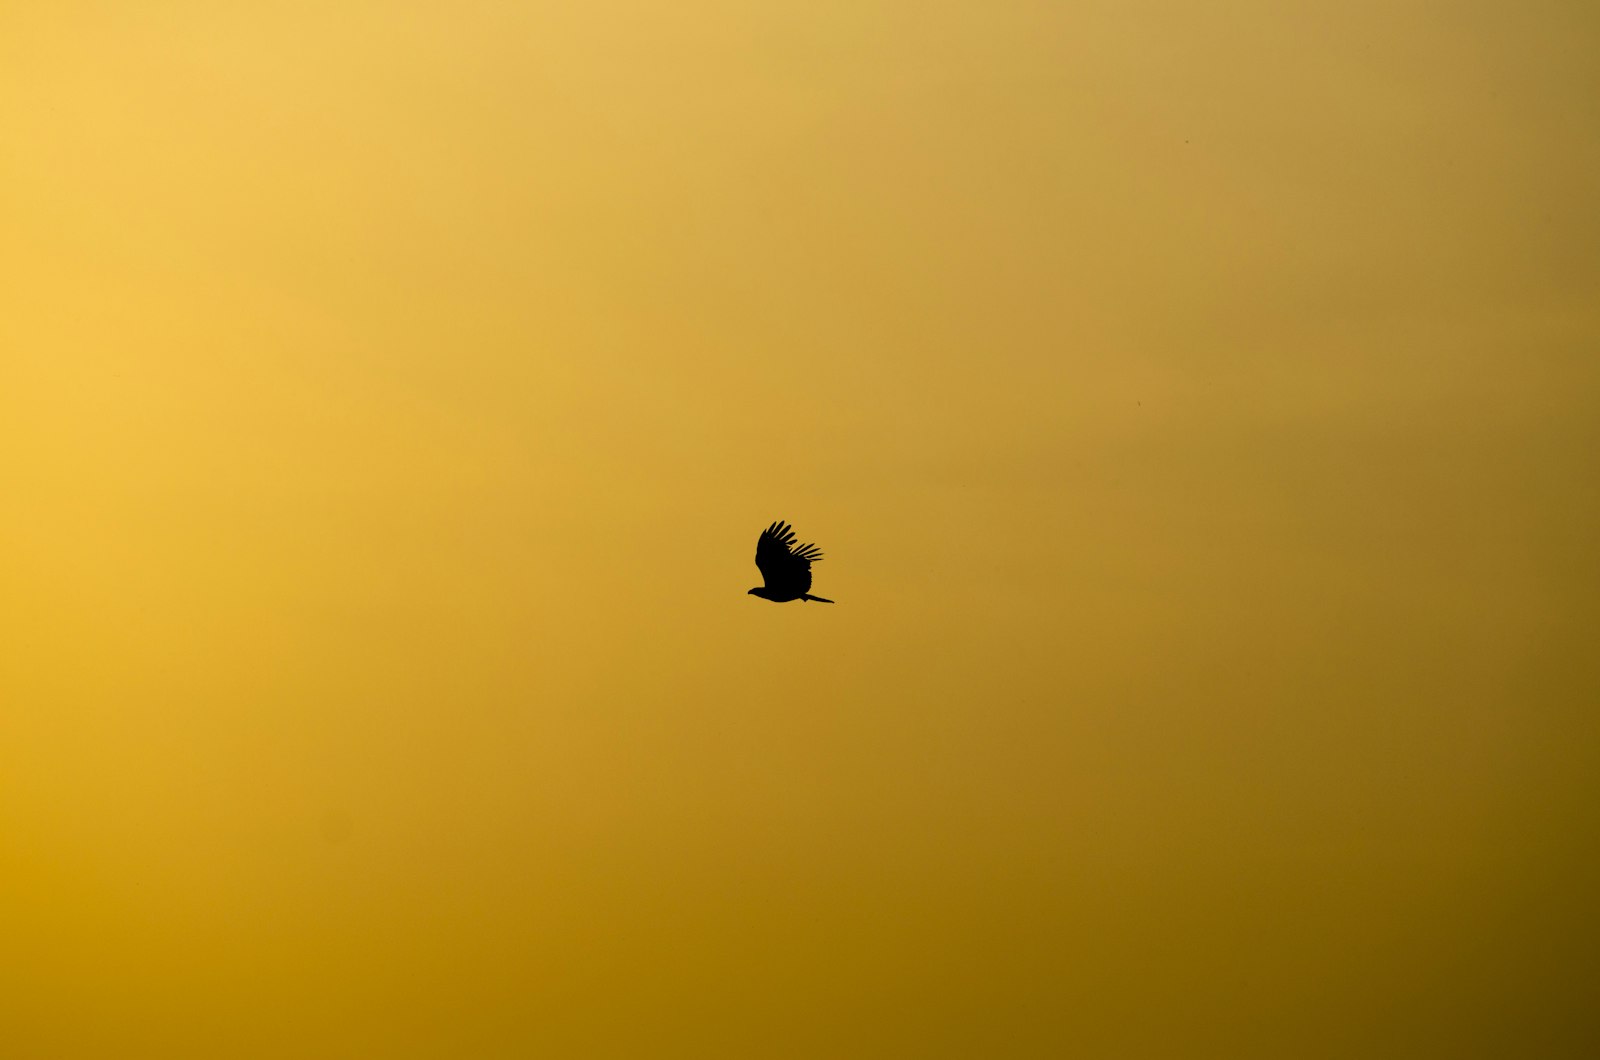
785 566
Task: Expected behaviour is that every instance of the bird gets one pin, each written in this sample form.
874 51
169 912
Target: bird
785 566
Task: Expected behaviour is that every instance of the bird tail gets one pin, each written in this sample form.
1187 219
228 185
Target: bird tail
818 599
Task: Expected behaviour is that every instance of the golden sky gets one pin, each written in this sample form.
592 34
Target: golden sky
1198 404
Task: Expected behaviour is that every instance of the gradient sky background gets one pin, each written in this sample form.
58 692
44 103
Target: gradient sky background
1199 407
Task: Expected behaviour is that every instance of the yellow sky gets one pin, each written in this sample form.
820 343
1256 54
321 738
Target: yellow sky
1198 406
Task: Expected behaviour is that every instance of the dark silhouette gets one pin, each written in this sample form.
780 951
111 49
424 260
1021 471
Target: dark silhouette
785 566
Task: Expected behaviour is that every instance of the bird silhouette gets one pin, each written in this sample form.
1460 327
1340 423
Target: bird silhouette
785 566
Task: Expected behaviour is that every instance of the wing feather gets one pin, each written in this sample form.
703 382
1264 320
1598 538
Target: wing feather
784 565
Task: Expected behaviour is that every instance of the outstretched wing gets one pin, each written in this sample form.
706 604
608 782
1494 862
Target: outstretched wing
784 565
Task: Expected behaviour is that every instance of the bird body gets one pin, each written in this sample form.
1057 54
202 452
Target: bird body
785 566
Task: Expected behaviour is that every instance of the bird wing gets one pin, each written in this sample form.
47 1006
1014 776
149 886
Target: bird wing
785 565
